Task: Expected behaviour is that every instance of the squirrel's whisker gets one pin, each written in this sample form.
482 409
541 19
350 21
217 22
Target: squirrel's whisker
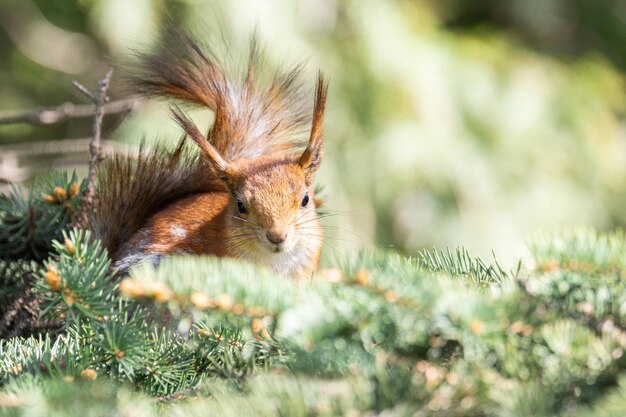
245 220
317 218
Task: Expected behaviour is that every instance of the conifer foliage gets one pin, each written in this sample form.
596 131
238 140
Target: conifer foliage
376 334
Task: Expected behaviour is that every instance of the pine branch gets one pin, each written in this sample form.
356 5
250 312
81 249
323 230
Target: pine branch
30 221
461 263
380 334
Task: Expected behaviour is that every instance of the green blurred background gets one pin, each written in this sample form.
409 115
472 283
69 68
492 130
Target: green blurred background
451 122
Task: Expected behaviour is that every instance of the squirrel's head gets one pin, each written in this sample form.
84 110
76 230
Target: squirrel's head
272 206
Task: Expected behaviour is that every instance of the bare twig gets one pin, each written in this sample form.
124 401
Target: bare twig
16 164
84 90
99 99
57 114
45 147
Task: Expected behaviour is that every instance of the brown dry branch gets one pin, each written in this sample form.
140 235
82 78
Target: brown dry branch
16 160
21 319
58 114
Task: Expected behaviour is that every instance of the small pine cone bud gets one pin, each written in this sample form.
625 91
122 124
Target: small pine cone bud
238 309
50 199
53 280
255 311
391 296
421 366
433 377
260 328
69 297
89 374
332 275
258 325
452 378
517 327
69 246
201 301
161 292
477 327
362 277
119 354
74 189
586 308
59 193
550 266
16 369
224 302
204 333
132 288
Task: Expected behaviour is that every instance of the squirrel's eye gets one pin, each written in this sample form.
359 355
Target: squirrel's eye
242 209
305 200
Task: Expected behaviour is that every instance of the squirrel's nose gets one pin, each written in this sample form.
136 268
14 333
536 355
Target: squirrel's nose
276 236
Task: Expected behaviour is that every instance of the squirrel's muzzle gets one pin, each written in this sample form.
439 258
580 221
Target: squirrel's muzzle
276 236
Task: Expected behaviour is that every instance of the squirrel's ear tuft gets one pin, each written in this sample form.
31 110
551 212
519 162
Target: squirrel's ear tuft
222 167
312 155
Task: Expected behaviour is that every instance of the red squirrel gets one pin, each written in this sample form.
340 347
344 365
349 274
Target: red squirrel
248 195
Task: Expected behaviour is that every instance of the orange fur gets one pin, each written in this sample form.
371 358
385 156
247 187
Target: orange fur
256 198
272 189
201 217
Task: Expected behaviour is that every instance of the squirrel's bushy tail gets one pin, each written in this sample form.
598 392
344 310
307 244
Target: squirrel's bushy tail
252 117
131 188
